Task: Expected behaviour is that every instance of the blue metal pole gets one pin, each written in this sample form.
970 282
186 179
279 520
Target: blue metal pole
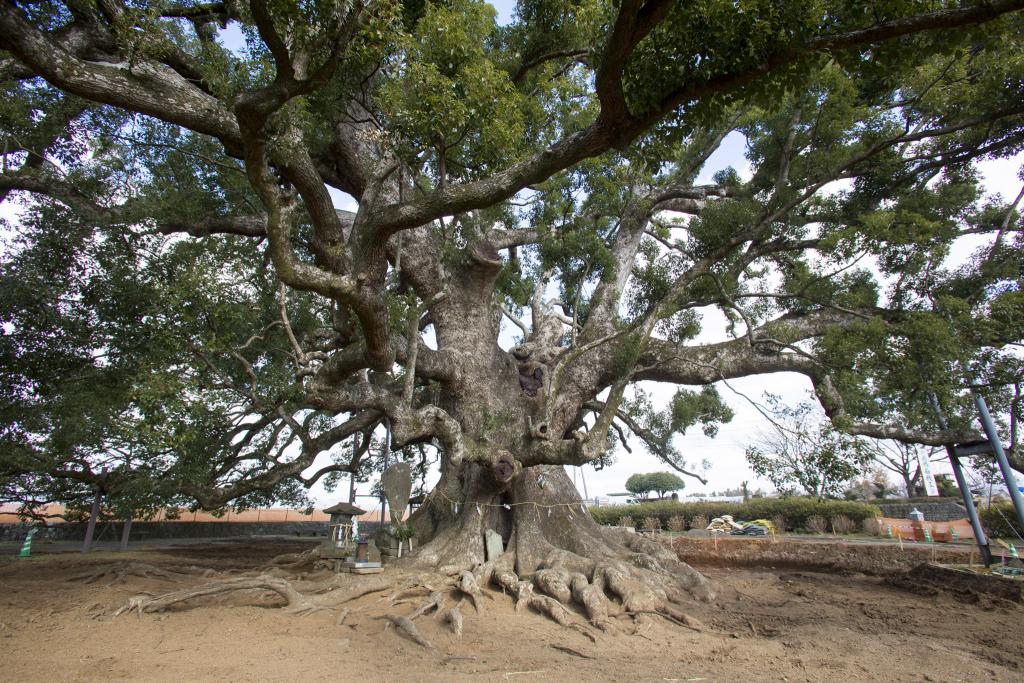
961 482
1004 464
972 512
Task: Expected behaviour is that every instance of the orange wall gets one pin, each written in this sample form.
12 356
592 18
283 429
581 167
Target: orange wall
8 515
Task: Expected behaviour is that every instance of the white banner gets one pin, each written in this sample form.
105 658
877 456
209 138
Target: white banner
926 473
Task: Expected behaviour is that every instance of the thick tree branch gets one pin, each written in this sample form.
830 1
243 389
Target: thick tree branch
213 497
145 88
615 127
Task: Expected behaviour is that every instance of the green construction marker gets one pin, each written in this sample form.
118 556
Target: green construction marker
26 547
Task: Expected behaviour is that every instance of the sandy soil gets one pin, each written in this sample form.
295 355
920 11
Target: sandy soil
787 623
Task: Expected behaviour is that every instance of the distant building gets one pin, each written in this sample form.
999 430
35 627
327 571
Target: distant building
693 497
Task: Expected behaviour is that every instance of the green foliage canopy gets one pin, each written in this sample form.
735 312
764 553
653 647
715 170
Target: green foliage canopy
187 313
656 482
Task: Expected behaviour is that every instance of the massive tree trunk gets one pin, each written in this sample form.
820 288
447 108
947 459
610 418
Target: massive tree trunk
548 536
514 428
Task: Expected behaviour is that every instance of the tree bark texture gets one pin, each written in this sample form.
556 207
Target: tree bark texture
94 513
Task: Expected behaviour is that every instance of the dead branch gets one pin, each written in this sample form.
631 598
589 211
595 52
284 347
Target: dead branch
569 650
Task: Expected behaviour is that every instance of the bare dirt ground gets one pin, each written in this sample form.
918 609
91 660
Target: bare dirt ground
807 619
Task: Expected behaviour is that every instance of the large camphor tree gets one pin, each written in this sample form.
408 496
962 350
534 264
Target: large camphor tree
184 282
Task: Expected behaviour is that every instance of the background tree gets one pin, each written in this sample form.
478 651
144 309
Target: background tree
903 459
804 455
664 482
657 482
638 485
546 173
873 484
947 486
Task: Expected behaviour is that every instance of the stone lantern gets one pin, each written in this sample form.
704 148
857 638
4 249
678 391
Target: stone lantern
341 540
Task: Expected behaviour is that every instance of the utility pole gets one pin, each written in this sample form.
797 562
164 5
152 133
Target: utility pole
387 457
352 474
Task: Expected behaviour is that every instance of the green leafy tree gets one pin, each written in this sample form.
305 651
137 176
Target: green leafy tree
637 484
664 482
947 486
804 455
654 482
545 177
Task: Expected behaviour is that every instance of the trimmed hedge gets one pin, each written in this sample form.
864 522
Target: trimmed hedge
1004 525
794 510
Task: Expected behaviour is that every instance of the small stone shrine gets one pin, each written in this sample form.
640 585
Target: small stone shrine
344 544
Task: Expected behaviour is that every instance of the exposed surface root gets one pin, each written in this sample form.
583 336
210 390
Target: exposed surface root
558 614
661 560
293 561
453 618
405 626
300 597
554 582
468 585
634 595
119 573
551 608
508 581
647 581
682 619
434 602
638 583
553 554
402 594
296 603
524 593
485 572
674 616
595 604
510 584
341 594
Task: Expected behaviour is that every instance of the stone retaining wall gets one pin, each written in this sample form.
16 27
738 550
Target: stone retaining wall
935 512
